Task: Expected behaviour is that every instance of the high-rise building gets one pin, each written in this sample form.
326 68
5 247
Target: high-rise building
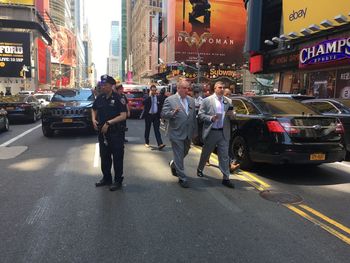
114 67
144 17
124 38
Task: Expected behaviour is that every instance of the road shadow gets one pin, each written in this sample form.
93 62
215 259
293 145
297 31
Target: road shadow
303 174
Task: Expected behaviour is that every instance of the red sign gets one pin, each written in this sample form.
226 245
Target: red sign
42 70
256 64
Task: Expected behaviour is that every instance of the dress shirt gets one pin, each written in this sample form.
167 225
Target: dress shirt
184 103
154 105
219 107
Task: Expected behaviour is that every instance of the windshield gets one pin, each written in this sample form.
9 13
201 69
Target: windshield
11 99
73 95
134 95
45 97
282 106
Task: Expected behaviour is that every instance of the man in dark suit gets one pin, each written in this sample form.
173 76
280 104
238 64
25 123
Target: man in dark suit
152 108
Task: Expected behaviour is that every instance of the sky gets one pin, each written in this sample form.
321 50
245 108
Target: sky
100 13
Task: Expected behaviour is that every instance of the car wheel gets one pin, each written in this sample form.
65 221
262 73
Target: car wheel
33 118
241 152
47 131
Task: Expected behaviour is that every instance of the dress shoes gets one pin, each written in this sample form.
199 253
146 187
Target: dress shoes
161 146
228 183
115 186
102 183
172 167
147 145
200 173
183 183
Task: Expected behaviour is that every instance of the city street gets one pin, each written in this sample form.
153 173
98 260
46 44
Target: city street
51 211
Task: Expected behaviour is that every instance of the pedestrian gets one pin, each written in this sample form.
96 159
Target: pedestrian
119 89
227 92
152 110
1 93
179 110
108 113
216 112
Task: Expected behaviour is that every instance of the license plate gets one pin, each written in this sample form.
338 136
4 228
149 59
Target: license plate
317 157
67 120
10 108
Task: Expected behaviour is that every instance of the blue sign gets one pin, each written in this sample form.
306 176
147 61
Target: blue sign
325 52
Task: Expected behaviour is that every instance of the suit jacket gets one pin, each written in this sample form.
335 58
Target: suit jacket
181 125
148 104
208 109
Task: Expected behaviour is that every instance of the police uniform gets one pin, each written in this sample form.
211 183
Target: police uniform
111 143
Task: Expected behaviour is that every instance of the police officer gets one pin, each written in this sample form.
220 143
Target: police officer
108 113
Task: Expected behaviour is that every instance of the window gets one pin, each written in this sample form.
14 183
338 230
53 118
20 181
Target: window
239 107
324 107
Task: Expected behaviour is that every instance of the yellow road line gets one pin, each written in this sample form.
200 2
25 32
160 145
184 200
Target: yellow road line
248 177
257 187
326 218
315 221
262 183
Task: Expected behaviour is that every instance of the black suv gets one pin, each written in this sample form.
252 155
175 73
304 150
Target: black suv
68 109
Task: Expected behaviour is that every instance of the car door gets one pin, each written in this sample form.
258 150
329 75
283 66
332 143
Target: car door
249 124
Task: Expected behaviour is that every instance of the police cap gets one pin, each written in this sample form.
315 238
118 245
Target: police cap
107 79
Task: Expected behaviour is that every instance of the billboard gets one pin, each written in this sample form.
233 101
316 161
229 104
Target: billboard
215 30
301 14
18 2
63 47
14 54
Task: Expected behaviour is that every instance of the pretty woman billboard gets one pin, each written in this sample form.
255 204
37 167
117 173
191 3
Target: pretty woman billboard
216 29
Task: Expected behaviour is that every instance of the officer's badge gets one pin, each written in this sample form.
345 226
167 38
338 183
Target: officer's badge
122 100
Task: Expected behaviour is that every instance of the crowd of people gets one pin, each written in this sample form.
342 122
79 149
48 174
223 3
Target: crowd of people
187 117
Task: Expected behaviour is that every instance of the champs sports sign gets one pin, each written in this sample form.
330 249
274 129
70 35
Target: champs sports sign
325 52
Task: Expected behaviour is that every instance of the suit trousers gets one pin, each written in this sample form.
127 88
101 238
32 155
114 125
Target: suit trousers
149 119
115 149
216 138
180 151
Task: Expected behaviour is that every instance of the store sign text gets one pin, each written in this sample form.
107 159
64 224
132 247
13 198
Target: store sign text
327 51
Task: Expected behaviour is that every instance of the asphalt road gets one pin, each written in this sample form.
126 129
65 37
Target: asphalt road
50 210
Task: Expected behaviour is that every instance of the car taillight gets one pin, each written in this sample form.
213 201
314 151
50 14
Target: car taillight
339 128
281 127
275 126
288 128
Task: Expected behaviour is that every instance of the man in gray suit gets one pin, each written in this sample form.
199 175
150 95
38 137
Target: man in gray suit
179 109
216 113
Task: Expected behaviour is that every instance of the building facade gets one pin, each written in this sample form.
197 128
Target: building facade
114 62
307 46
142 57
24 40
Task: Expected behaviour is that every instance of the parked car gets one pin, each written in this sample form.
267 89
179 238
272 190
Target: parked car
276 130
69 109
298 97
44 98
339 108
21 107
135 101
4 122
